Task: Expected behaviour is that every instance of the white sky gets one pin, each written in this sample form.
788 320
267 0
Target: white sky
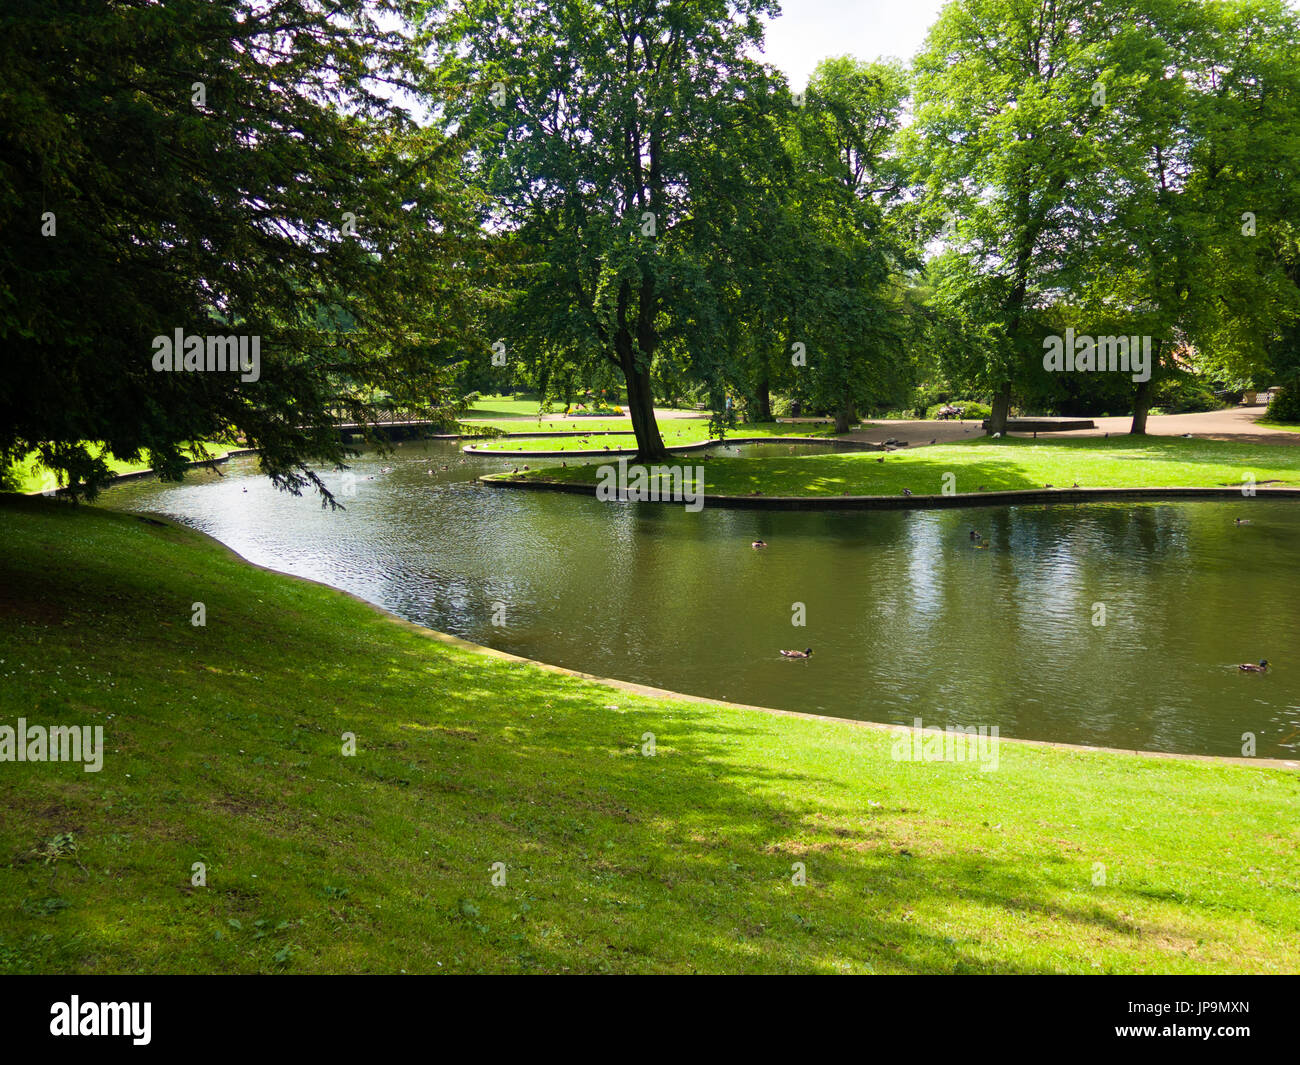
809 31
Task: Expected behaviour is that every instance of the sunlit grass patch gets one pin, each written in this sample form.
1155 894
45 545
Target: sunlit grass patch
986 465
225 747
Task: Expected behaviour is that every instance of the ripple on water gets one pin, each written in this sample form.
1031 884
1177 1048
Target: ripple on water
905 616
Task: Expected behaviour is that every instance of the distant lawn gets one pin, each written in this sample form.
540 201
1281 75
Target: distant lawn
505 407
675 432
556 425
1289 427
983 464
31 478
224 747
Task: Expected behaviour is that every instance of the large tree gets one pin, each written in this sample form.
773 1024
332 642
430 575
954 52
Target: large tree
1004 134
219 168
618 138
1198 182
848 296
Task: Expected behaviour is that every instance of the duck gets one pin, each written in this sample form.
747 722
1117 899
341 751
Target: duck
1241 521
1245 667
907 491
758 543
975 537
807 653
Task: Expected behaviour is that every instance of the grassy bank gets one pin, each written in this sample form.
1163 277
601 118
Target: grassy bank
675 433
26 475
983 464
224 747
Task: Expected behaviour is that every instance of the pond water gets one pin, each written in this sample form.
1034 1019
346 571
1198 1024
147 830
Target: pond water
906 617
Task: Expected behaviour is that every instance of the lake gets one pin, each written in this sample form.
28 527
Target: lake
906 617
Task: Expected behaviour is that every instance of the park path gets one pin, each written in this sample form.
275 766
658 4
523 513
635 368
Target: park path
1235 423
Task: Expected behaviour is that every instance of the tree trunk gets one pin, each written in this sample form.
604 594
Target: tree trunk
640 407
1141 404
1143 396
845 415
763 398
1001 411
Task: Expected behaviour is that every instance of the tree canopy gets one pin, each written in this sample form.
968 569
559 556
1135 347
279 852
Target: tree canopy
220 169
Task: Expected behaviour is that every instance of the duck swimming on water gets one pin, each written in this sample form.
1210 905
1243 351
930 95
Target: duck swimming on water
797 654
1245 667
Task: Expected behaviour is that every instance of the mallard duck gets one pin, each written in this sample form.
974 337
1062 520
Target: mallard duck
1241 521
1245 667
797 654
975 537
758 543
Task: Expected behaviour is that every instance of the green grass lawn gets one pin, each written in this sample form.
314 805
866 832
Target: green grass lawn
983 464
224 747
675 432
505 407
557 425
29 477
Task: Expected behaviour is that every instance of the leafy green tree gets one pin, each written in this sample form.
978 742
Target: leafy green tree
617 141
1003 136
848 277
1199 183
220 168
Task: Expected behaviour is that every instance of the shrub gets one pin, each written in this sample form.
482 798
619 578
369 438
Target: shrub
970 409
1284 406
1185 394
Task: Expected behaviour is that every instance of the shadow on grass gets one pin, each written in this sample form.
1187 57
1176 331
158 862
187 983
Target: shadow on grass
614 861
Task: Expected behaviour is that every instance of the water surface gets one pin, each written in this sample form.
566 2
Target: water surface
905 616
